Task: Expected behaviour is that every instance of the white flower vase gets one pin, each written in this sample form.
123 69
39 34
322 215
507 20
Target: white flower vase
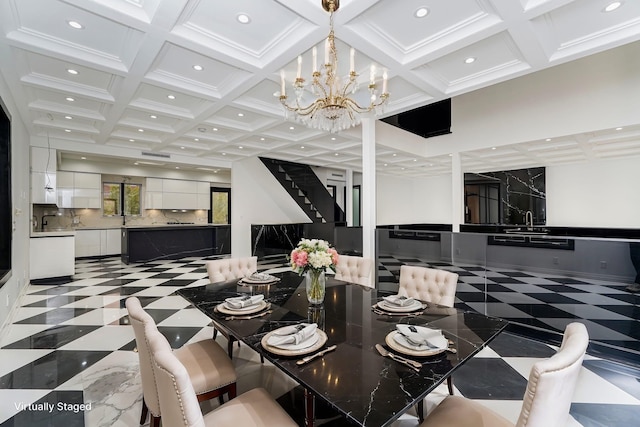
315 282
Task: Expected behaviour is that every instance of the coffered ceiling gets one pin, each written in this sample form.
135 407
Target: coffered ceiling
126 82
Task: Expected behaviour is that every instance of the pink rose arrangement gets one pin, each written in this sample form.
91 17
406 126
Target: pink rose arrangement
313 254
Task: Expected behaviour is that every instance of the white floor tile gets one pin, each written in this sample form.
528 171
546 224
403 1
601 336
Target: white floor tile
10 360
100 316
97 301
186 318
173 301
11 398
18 332
27 312
157 291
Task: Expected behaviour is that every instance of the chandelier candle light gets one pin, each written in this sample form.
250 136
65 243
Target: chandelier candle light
312 258
333 110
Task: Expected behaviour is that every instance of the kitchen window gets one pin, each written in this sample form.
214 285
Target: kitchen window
116 195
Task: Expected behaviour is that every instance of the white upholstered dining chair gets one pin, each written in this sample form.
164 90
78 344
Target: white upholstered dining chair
354 269
177 398
221 270
209 368
428 284
547 399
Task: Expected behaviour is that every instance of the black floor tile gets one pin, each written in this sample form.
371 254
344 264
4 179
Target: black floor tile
567 281
476 297
489 378
510 345
553 298
53 338
176 282
178 335
605 415
54 317
563 289
542 310
116 281
506 280
52 370
630 328
57 301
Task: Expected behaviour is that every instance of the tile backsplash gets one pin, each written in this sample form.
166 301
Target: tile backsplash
58 218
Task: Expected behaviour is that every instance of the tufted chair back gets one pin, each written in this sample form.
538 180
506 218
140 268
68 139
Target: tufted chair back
428 284
552 381
354 269
142 322
221 270
175 390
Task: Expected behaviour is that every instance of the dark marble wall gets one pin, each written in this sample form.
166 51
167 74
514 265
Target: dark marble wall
504 197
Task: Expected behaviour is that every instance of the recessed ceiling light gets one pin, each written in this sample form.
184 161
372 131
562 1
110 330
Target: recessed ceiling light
261 139
337 154
140 130
415 160
243 18
450 155
240 115
493 148
135 163
618 128
548 139
153 116
302 147
394 154
67 130
68 117
171 96
182 148
196 139
177 167
224 154
291 128
470 60
385 164
70 99
612 6
240 147
421 12
83 158
215 171
72 71
132 140
402 168
215 129
198 67
75 24
333 138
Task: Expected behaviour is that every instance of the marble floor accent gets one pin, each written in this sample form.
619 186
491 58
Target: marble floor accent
70 344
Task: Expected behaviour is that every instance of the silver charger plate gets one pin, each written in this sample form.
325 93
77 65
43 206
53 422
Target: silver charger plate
322 339
394 345
222 308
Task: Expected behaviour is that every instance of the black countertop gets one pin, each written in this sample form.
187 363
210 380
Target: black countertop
364 387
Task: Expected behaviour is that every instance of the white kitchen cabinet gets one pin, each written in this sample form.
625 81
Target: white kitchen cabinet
43 175
153 200
110 241
97 242
176 194
51 255
88 243
80 190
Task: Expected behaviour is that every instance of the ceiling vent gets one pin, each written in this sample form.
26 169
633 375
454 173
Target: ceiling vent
161 155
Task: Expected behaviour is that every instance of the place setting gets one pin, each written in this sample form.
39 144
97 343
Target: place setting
244 307
399 305
296 340
258 279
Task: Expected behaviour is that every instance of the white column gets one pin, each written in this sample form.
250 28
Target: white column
348 203
457 190
368 192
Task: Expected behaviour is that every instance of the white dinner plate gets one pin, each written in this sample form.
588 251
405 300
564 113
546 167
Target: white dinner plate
293 349
248 281
390 339
224 308
415 305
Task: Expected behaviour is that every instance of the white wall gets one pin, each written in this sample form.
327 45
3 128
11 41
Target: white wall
600 193
11 290
413 200
257 198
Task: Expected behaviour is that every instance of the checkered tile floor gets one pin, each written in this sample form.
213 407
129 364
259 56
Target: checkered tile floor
70 343
548 302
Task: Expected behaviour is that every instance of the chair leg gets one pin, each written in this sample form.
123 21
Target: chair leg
420 410
145 411
230 347
450 384
154 422
215 333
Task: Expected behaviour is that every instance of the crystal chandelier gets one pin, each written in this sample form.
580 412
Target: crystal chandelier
332 110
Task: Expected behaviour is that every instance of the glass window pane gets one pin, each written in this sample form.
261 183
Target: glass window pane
110 199
220 206
132 199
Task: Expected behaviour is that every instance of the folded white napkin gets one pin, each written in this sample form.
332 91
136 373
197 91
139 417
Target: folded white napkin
292 334
400 301
420 338
242 302
259 277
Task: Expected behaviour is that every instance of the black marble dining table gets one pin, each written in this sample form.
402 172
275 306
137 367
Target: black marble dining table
354 379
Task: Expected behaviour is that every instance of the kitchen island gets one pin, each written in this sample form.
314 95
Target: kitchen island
175 241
